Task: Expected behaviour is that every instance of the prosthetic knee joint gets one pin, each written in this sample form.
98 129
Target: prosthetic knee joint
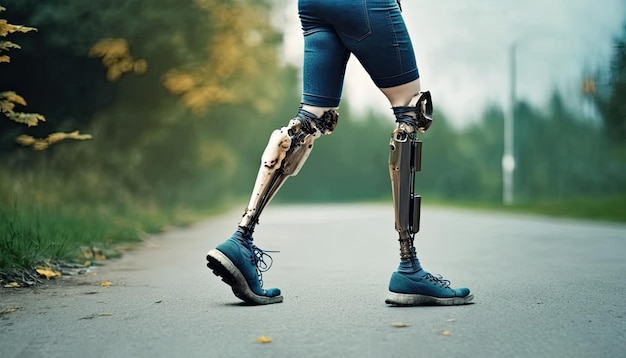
287 150
404 160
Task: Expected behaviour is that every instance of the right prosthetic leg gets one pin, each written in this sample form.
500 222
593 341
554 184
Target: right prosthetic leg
411 285
404 160
238 260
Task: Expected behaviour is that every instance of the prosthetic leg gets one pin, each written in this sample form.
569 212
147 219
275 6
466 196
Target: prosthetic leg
411 285
238 260
404 160
286 152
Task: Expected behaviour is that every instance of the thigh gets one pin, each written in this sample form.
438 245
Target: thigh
386 52
325 56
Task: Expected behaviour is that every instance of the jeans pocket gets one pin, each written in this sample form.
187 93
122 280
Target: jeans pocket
355 21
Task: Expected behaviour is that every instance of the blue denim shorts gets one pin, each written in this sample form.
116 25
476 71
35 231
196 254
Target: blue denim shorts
373 30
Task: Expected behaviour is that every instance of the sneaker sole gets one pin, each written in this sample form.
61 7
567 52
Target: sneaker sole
222 267
406 299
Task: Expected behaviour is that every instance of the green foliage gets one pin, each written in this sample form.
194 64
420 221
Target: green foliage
153 160
22 244
612 104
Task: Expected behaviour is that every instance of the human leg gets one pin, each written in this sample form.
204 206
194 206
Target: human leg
387 55
238 261
411 285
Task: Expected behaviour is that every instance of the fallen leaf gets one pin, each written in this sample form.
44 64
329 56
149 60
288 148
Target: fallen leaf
106 314
105 283
12 285
445 332
451 320
400 324
159 301
263 339
9 310
47 272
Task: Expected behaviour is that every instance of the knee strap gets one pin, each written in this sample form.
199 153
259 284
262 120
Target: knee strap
418 116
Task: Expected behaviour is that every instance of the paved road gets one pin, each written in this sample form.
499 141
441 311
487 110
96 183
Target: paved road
543 288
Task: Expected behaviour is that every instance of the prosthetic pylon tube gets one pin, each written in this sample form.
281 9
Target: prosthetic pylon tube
405 158
287 150
404 161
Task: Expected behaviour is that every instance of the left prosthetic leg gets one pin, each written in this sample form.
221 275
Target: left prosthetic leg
238 261
411 285
286 152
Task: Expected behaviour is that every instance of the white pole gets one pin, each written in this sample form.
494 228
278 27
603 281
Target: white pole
508 159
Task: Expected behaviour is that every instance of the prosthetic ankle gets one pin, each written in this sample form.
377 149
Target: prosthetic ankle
287 150
404 160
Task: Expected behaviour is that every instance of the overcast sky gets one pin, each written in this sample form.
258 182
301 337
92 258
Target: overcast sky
463 49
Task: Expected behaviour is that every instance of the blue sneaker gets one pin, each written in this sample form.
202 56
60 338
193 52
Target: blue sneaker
422 289
240 264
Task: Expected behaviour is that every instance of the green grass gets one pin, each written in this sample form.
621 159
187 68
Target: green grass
604 209
611 209
30 236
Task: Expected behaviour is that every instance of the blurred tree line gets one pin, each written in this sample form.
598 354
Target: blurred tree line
174 92
180 97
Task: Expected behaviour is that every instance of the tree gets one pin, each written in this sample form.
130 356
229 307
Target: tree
612 104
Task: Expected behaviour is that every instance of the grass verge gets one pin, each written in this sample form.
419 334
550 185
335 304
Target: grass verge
610 209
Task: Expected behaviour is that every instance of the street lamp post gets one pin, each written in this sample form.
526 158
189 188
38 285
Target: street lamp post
508 158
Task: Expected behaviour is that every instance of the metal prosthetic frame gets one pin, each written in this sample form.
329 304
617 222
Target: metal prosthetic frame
404 160
287 150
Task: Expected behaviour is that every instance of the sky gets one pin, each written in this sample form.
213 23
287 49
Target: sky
463 50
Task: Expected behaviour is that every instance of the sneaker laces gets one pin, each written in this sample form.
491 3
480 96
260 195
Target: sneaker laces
261 260
438 280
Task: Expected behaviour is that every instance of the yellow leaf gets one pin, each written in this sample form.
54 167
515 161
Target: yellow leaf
40 145
5 59
12 97
56 137
12 285
140 66
125 64
6 45
8 310
105 283
25 140
114 73
6 28
179 82
445 332
110 48
77 136
400 324
30 119
47 272
263 339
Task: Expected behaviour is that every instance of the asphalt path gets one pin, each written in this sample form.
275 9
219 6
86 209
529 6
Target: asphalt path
543 287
